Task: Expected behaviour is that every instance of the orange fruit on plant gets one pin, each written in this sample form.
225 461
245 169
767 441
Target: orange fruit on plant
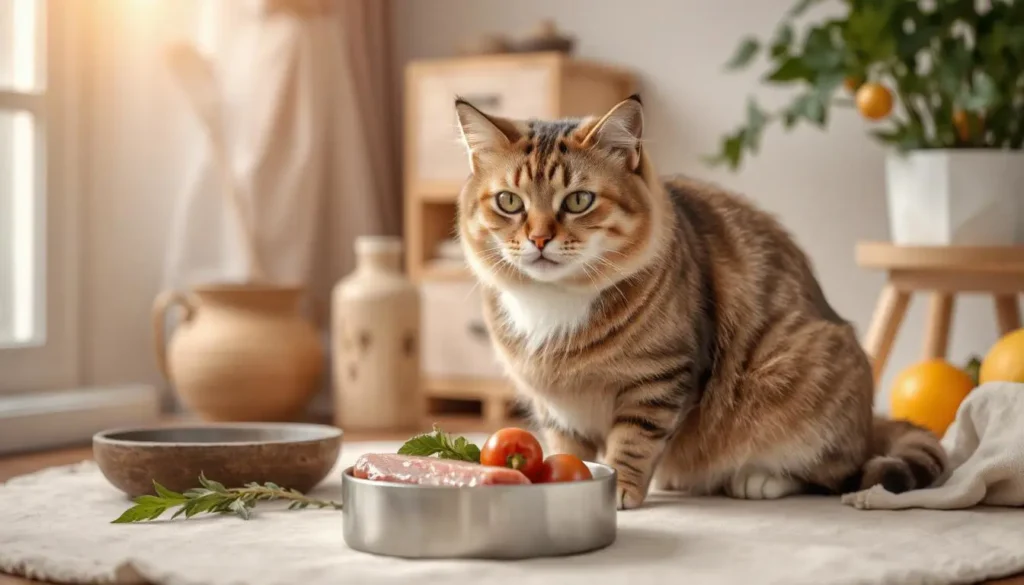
874 101
929 393
851 83
1004 362
962 125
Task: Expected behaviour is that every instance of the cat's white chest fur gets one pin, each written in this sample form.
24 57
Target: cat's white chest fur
543 313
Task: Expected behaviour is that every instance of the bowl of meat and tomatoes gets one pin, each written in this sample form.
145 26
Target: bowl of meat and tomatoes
504 501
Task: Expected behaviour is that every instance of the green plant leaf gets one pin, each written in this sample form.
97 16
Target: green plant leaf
782 40
204 504
801 7
983 95
167 494
826 84
214 498
792 69
239 508
810 106
757 119
731 150
148 500
822 53
212 485
198 493
140 513
902 137
973 368
440 444
744 54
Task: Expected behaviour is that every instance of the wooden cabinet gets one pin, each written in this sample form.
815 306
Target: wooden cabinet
458 363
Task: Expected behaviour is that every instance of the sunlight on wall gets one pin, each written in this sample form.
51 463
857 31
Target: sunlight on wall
25 228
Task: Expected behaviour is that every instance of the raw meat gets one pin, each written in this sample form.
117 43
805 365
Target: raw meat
432 471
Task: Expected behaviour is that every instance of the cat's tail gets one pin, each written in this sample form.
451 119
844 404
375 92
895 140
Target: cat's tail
904 457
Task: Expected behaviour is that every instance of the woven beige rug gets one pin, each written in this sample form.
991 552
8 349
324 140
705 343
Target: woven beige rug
55 525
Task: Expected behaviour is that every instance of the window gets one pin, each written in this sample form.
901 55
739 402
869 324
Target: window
37 179
20 80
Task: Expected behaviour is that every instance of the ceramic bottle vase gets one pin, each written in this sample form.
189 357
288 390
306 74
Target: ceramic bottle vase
241 352
375 333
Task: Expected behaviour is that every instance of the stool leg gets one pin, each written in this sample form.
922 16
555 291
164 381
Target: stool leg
1007 313
940 314
889 313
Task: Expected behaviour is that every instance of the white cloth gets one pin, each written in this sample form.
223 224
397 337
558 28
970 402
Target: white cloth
986 449
281 80
55 525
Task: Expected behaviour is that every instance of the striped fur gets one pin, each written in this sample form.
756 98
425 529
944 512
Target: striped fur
671 328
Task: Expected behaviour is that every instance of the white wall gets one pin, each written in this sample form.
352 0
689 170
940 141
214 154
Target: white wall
139 141
678 48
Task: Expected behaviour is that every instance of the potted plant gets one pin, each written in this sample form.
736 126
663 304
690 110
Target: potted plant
941 82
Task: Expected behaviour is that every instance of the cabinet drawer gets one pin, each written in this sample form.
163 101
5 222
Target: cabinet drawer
519 92
455 340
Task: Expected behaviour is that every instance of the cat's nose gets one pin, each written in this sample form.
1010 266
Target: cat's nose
540 240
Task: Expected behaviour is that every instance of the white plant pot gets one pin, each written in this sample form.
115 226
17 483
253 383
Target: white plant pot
956 197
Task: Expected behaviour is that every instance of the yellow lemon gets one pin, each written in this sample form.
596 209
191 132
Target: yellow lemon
1005 361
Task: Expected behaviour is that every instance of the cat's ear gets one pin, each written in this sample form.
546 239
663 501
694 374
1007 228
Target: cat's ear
621 130
481 132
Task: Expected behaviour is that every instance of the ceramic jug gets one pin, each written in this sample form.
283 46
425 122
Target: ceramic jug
375 333
241 352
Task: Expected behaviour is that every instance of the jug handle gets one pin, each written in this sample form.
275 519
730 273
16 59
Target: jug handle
163 302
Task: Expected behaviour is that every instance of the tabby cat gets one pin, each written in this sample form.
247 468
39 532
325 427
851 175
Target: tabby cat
669 327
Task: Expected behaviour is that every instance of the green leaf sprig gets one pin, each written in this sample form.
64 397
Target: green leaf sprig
214 498
441 444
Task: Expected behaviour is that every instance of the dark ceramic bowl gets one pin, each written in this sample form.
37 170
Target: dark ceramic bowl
291 455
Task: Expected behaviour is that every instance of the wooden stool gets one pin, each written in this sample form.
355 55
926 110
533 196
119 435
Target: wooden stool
943 271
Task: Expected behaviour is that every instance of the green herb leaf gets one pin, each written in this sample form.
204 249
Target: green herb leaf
239 508
744 54
167 494
214 498
140 512
197 493
212 485
440 444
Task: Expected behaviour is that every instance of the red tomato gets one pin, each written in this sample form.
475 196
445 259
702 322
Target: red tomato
564 467
514 448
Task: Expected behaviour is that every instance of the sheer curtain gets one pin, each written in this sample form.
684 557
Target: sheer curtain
307 102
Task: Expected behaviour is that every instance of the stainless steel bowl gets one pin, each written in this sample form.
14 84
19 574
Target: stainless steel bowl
484 522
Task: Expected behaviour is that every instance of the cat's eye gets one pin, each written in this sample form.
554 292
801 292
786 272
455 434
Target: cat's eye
509 202
578 201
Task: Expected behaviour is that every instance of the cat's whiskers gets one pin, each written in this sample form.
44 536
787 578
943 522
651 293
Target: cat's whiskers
612 284
499 264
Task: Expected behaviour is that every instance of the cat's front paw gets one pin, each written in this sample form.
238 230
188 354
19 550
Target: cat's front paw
628 496
753 484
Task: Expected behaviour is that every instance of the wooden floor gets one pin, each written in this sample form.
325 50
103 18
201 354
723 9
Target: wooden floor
19 465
